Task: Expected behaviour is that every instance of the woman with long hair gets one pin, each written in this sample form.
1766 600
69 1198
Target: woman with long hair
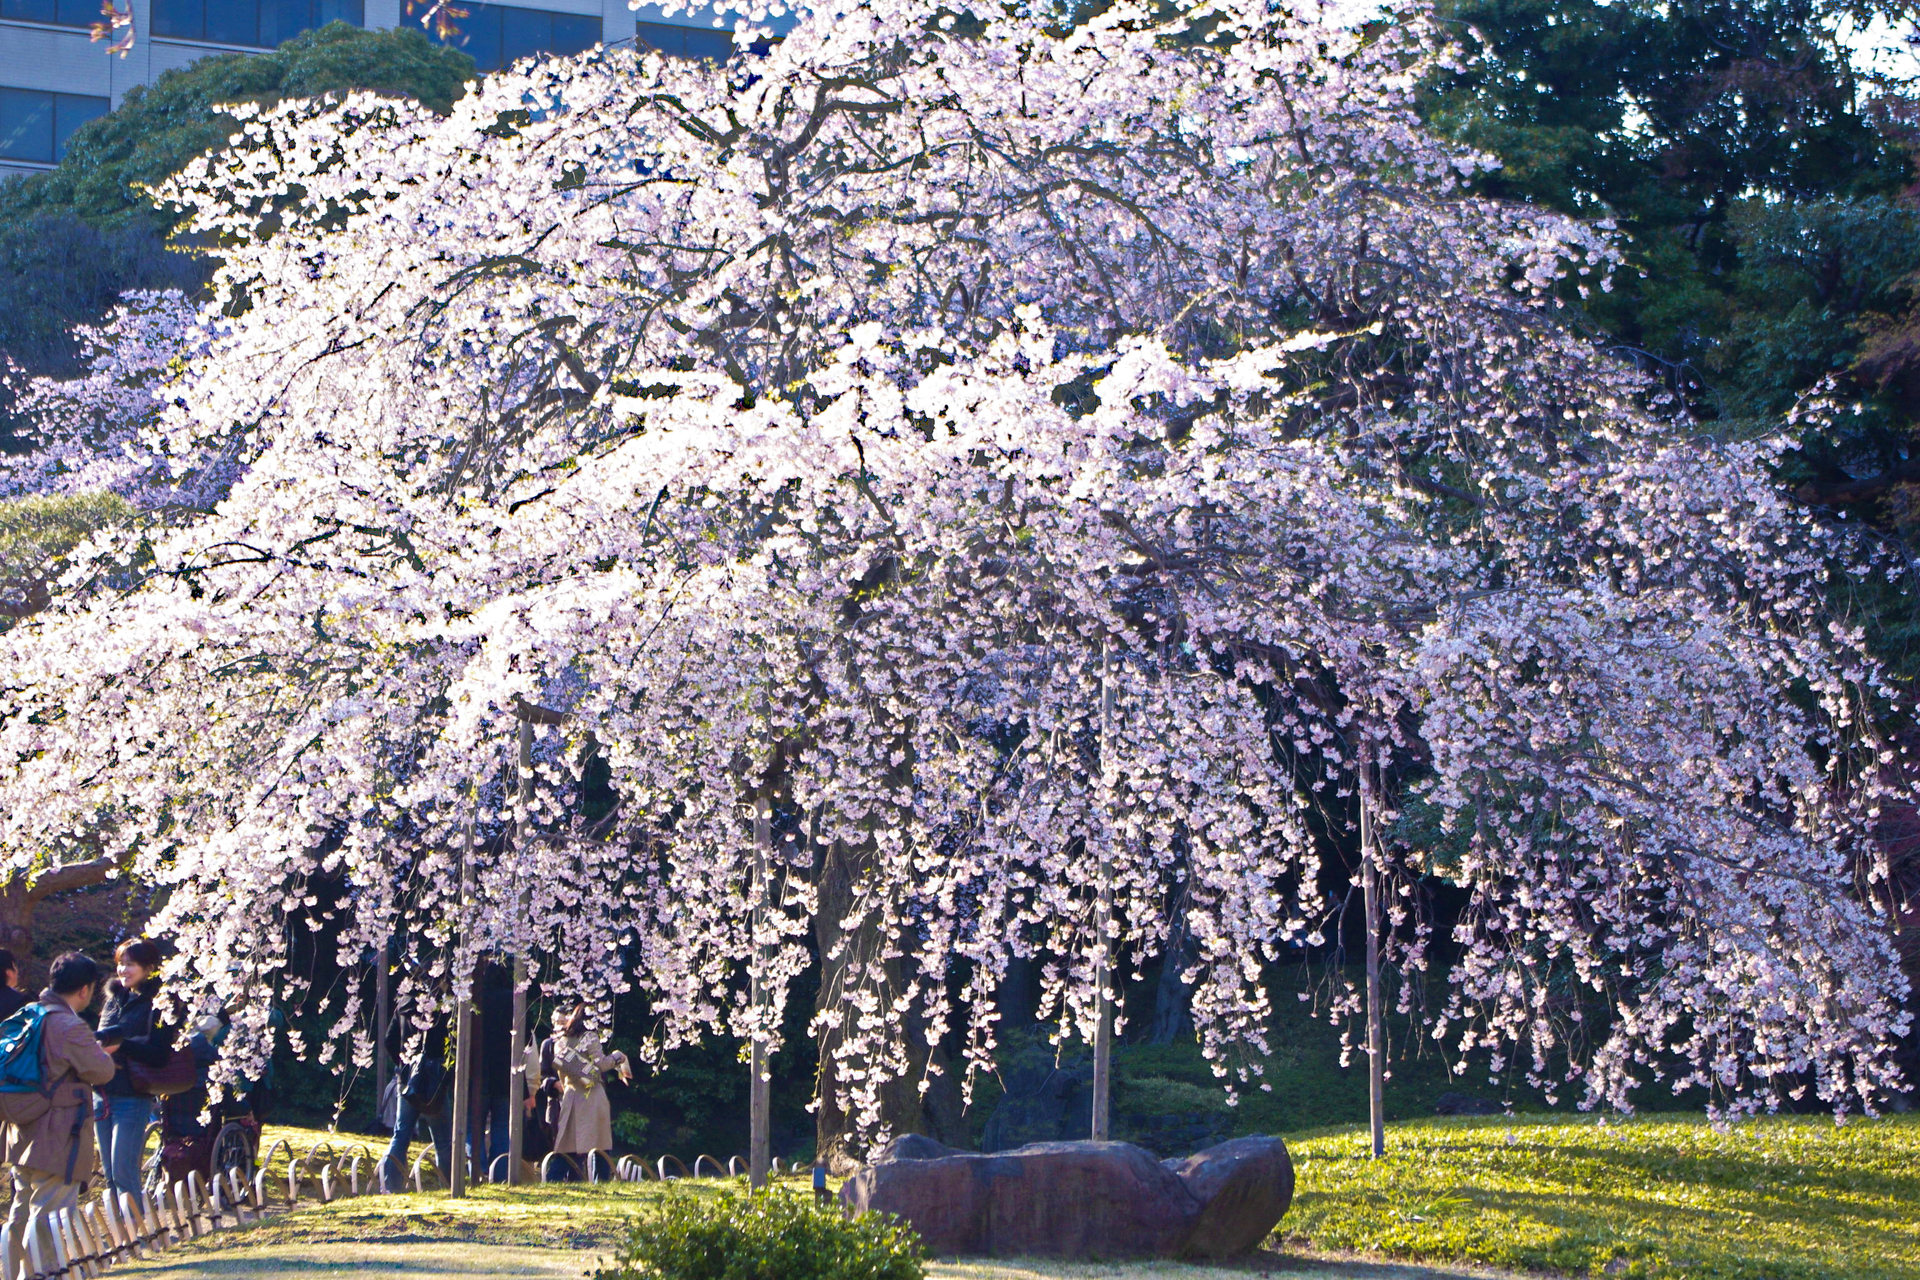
585 1121
132 1029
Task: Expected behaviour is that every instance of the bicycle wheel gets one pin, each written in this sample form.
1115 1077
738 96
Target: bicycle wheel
150 1175
233 1151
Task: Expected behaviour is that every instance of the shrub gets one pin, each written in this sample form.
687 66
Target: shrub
772 1235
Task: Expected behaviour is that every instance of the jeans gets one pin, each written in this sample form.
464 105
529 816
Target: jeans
394 1169
121 1130
495 1112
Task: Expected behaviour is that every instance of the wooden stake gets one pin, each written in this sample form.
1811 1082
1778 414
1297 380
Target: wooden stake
1376 1017
382 1016
759 1088
1102 924
462 1046
517 1048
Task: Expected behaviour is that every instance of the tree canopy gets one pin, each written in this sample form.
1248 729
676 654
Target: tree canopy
1759 165
966 486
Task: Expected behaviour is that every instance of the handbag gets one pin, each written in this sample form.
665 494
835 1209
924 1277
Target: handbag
390 1104
179 1073
186 1154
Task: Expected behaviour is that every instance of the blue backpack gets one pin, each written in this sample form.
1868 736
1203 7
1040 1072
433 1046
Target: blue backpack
25 1092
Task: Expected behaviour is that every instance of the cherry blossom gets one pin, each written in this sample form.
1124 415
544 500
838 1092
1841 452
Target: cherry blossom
964 482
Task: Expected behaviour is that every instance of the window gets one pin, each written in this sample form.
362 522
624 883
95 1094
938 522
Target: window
685 42
262 24
63 13
494 35
35 125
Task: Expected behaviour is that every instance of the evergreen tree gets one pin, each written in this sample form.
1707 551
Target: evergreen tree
74 239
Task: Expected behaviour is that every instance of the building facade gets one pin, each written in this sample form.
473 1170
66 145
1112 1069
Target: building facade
54 77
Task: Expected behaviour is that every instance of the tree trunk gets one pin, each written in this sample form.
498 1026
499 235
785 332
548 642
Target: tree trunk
903 1109
16 918
23 892
1173 998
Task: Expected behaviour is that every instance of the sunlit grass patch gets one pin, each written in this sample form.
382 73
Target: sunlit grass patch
1776 1199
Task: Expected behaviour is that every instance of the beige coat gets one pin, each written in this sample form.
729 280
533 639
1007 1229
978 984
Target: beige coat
75 1060
586 1117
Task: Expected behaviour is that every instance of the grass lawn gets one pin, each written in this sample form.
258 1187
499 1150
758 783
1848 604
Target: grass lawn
1781 1199
1776 1199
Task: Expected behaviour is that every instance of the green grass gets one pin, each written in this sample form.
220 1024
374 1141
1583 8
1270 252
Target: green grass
1666 1197
559 1215
1776 1199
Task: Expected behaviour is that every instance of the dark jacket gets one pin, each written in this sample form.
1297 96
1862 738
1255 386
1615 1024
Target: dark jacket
144 1038
12 1002
424 1078
495 1032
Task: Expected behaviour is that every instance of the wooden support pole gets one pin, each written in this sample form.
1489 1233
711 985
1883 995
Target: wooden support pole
382 1016
1376 1017
516 1052
462 1044
1103 925
759 1089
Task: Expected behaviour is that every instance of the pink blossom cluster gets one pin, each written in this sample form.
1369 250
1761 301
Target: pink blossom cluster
88 430
1040 466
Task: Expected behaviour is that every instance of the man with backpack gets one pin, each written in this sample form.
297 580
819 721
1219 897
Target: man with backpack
49 1059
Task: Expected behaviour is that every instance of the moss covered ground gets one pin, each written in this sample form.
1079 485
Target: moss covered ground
1667 1197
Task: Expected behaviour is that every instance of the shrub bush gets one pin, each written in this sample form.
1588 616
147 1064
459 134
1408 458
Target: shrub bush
773 1235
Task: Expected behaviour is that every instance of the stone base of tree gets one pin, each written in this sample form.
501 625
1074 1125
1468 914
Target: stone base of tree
1106 1200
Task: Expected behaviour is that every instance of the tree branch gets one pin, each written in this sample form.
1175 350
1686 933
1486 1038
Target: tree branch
71 875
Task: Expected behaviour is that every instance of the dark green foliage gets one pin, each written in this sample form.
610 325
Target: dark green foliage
1760 184
162 126
57 270
1671 118
74 238
774 1235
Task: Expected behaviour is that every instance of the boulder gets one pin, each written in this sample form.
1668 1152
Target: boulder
1244 1188
915 1146
1106 1200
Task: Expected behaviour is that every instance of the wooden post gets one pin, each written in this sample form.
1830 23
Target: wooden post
759 1087
462 1045
1103 923
382 1016
1376 1018
516 1060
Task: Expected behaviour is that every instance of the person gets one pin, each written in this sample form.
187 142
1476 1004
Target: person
585 1121
186 1141
542 1103
130 1022
424 1085
493 1100
53 1157
12 998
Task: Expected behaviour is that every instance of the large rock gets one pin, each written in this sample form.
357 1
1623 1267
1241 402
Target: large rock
1244 1188
1080 1199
